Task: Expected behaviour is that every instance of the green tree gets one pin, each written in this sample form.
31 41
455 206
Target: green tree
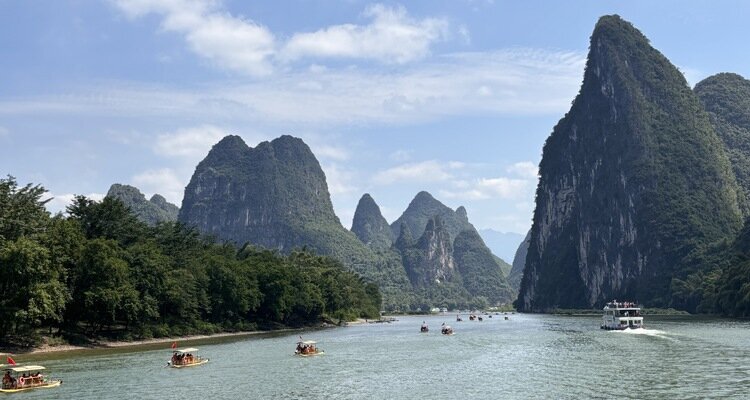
31 291
104 293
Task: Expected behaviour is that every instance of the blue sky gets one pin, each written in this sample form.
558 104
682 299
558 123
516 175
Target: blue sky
454 97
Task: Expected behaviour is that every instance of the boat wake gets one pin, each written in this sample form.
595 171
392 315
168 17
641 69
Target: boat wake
645 331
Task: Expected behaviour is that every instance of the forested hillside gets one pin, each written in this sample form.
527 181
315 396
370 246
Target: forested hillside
100 272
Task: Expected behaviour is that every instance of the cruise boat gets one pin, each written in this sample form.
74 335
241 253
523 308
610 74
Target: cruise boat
23 378
621 315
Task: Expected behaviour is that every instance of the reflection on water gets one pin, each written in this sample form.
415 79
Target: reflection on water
528 356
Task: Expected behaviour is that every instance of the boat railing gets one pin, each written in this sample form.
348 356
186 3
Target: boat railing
621 304
26 382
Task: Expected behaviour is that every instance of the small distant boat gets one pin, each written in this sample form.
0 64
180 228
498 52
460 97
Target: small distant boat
308 348
458 318
446 330
183 358
619 316
472 317
424 328
23 378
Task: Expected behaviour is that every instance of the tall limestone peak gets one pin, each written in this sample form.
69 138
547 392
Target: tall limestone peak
462 215
151 212
228 150
430 261
369 225
632 180
423 208
274 195
159 200
726 98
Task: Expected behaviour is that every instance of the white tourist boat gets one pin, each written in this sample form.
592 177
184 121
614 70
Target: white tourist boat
32 378
182 358
621 315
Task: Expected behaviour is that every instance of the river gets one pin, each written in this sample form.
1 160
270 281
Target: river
526 356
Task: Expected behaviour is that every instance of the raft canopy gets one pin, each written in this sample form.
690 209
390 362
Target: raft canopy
27 368
187 350
309 342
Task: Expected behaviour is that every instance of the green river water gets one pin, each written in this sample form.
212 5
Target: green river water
527 356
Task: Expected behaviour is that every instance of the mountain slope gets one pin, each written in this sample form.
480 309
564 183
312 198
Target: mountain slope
480 272
726 98
369 225
276 196
519 262
430 260
151 211
632 180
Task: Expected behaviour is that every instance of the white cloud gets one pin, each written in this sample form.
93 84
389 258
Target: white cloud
330 152
401 155
470 194
484 91
163 181
464 34
346 216
192 142
524 169
242 45
338 179
60 201
504 188
390 214
392 37
523 82
425 171
233 43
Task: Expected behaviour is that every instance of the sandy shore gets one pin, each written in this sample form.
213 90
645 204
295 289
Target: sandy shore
181 340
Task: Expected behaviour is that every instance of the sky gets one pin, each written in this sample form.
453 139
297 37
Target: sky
455 97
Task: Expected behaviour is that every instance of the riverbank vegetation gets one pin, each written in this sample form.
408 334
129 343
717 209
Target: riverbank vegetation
98 272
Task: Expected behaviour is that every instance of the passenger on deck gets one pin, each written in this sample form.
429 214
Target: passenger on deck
8 380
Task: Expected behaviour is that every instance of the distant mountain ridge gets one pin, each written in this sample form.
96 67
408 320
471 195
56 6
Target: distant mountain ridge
152 211
276 196
423 208
449 255
502 244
